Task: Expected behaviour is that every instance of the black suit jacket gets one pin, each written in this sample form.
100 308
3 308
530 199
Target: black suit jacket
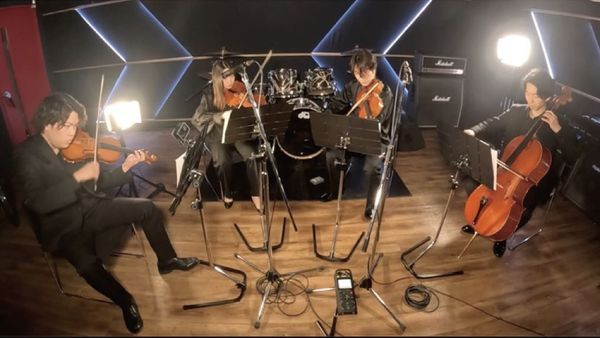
51 192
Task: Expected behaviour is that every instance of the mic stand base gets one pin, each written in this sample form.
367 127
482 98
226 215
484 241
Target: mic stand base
274 282
367 283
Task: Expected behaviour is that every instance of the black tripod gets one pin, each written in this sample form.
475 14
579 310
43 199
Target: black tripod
273 278
196 177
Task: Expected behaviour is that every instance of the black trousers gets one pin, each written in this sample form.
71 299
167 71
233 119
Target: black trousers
372 169
222 156
81 248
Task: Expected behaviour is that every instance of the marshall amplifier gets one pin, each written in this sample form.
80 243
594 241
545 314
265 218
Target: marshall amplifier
439 88
427 64
438 99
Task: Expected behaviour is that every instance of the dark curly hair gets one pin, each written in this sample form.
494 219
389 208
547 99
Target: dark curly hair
56 108
364 60
542 80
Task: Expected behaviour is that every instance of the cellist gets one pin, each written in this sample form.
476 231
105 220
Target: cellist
555 134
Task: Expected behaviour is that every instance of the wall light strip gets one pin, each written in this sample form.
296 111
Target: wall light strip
537 28
407 26
100 35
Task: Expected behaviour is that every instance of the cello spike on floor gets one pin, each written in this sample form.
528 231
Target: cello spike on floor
467 246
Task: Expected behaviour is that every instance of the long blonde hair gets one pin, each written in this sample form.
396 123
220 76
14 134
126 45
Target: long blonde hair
217 83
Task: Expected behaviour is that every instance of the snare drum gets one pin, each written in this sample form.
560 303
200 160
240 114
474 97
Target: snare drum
319 82
284 83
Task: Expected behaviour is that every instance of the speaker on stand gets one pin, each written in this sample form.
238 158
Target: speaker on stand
439 89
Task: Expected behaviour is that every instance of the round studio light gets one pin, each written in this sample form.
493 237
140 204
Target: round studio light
513 50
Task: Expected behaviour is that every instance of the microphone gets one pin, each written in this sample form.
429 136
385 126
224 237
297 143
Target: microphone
238 68
406 76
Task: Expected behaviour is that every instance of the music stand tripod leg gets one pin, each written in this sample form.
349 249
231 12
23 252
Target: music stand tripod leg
197 176
331 256
264 188
454 181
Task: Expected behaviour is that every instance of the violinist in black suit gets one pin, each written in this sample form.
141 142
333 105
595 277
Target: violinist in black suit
75 222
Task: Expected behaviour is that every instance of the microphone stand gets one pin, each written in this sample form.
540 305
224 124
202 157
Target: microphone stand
366 282
272 277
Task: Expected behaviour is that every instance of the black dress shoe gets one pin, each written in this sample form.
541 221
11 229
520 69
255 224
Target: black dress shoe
369 213
177 263
499 248
228 205
133 319
467 229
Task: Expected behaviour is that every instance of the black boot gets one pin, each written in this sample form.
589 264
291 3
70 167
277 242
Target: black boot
467 229
499 248
131 316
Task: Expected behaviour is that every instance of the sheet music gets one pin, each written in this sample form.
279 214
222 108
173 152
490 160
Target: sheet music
179 166
226 116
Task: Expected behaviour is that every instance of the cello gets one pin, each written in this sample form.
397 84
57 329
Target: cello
496 214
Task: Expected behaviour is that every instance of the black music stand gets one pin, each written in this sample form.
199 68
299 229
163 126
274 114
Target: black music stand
344 133
473 157
195 178
239 125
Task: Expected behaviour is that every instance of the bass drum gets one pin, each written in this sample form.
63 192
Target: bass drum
298 141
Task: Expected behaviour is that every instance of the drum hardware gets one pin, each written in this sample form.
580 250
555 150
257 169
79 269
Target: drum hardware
319 82
285 84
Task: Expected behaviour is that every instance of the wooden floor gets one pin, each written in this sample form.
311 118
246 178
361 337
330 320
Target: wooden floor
550 286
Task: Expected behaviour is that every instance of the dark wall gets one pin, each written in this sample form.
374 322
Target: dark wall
459 28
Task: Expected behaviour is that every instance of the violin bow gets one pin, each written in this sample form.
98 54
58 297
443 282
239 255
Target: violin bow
97 124
363 98
260 69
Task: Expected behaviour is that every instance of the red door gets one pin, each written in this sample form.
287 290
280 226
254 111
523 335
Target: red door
23 76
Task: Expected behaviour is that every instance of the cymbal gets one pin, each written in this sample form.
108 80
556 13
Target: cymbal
223 53
354 50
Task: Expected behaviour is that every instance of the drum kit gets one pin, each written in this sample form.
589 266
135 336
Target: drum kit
313 94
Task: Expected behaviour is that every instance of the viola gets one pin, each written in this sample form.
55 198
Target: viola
109 149
237 96
369 101
496 214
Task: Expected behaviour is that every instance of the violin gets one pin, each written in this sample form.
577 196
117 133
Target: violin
237 96
109 149
497 213
369 101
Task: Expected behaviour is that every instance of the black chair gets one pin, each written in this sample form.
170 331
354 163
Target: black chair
104 251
